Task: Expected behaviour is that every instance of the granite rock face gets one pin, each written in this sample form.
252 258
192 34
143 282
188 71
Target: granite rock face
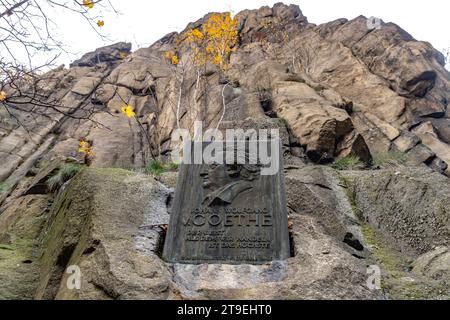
411 206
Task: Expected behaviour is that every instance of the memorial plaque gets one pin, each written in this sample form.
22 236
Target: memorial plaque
229 212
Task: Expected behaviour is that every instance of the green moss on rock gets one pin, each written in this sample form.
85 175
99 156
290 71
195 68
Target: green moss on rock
398 282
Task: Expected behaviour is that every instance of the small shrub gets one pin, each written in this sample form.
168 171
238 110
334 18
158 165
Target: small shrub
390 158
318 88
356 108
350 162
3 186
64 174
173 166
284 122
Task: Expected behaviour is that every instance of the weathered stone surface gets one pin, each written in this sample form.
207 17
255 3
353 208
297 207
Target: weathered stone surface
320 270
315 82
442 127
389 131
126 211
85 86
108 223
20 228
438 165
354 144
406 141
115 242
375 139
429 137
420 154
107 54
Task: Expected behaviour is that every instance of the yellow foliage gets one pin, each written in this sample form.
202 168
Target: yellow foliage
100 23
198 34
277 31
194 35
88 4
3 96
128 111
123 55
222 33
217 59
84 147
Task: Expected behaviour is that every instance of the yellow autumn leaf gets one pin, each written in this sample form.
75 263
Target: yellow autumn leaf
221 34
217 59
168 54
83 144
100 23
172 57
88 4
123 55
128 111
3 96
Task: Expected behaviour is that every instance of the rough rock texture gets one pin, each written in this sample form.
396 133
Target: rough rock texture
20 228
109 222
334 90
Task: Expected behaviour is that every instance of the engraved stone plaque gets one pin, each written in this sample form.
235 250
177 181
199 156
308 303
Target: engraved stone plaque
229 212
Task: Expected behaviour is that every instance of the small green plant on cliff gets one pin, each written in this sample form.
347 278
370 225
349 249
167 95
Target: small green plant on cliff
64 174
349 162
389 159
3 186
156 167
172 166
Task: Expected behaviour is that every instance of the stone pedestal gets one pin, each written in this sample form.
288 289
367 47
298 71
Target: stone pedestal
228 213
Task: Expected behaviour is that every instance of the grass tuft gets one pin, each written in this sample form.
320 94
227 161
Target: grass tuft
64 174
156 167
389 159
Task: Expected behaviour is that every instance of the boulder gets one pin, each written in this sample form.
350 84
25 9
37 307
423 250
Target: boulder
336 89
108 55
408 206
430 138
434 264
108 222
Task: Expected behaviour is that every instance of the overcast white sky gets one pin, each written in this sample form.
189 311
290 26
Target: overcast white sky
144 21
